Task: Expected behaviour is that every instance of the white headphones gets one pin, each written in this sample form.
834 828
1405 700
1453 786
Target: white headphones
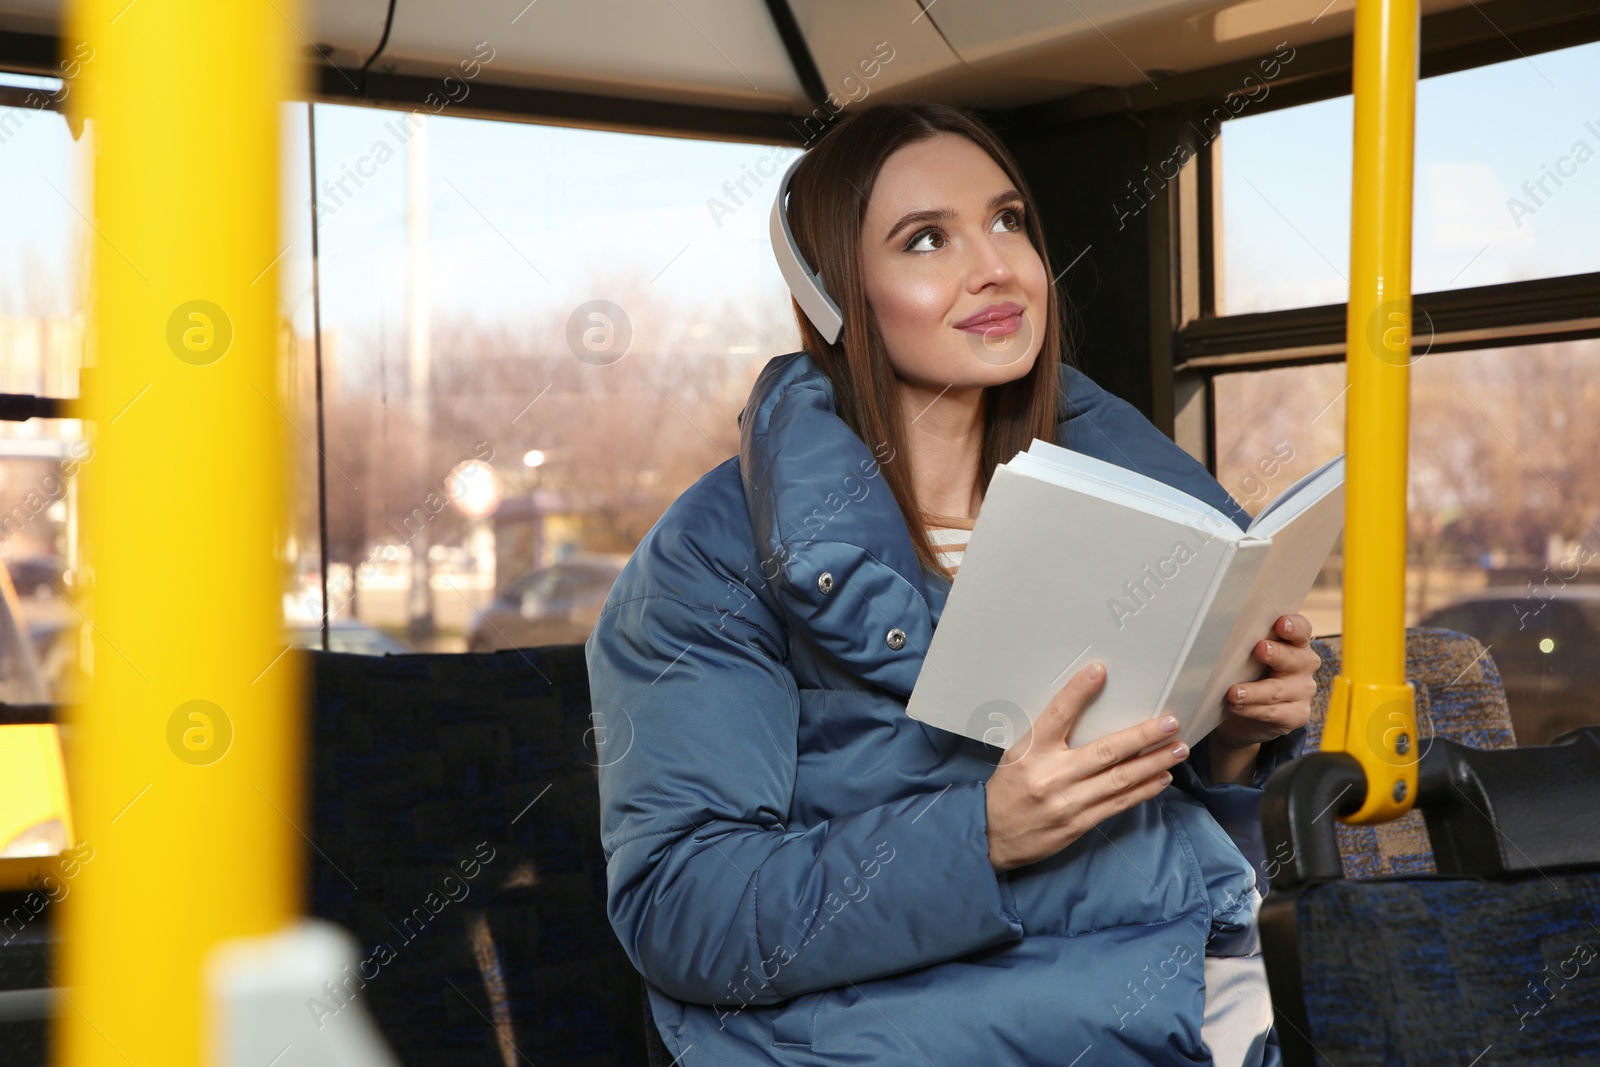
804 283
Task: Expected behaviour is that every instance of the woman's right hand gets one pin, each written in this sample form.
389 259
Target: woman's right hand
1043 796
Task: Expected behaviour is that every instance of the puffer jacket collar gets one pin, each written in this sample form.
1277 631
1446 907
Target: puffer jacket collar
824 518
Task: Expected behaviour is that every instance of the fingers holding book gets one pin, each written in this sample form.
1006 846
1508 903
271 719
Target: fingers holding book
1293 630
1045 795
1292 667
1279 702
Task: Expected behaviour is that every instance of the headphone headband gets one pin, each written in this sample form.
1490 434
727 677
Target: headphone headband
804 283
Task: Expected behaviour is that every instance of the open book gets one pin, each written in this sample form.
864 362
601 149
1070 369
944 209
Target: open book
1073 559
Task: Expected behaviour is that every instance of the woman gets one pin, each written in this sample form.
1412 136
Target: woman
805 875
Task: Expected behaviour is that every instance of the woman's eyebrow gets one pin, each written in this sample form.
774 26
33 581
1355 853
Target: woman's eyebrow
944 213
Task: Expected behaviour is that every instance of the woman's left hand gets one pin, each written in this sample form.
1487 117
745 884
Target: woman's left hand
1278 703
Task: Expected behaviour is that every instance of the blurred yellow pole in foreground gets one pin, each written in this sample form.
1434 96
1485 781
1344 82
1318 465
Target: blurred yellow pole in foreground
1371 713
185 762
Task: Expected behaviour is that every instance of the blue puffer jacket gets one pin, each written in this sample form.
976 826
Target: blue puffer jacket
799 870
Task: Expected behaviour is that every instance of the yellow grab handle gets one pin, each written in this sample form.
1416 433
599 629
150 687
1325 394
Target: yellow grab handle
185 761
1372 714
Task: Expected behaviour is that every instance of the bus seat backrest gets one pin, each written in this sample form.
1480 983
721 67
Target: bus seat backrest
456 833
1459 696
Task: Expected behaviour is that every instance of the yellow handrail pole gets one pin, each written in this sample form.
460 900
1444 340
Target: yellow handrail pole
185 759
1371 712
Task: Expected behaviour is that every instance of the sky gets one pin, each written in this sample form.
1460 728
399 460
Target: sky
1480 134
524 218
527 220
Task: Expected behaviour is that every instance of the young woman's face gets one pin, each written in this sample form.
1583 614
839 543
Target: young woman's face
957 287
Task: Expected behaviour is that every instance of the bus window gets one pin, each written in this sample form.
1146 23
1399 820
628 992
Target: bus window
1500 497
534 338
42 309
1520 203
1504 504
42 327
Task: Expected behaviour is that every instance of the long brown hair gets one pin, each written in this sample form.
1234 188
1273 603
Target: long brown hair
827 204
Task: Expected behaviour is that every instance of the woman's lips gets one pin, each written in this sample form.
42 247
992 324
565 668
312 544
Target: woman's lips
995 327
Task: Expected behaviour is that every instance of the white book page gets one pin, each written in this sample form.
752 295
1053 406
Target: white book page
1299 496
1052 579
1173 504
1297 554
1198 709
1122 477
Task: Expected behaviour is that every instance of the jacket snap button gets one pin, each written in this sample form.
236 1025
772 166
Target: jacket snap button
825 582
896 639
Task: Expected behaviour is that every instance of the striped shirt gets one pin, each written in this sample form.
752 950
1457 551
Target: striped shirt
949 535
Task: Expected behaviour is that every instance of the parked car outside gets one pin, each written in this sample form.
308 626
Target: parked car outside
1546 643
555 605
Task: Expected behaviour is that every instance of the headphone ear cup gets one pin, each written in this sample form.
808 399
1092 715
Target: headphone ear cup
803 282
